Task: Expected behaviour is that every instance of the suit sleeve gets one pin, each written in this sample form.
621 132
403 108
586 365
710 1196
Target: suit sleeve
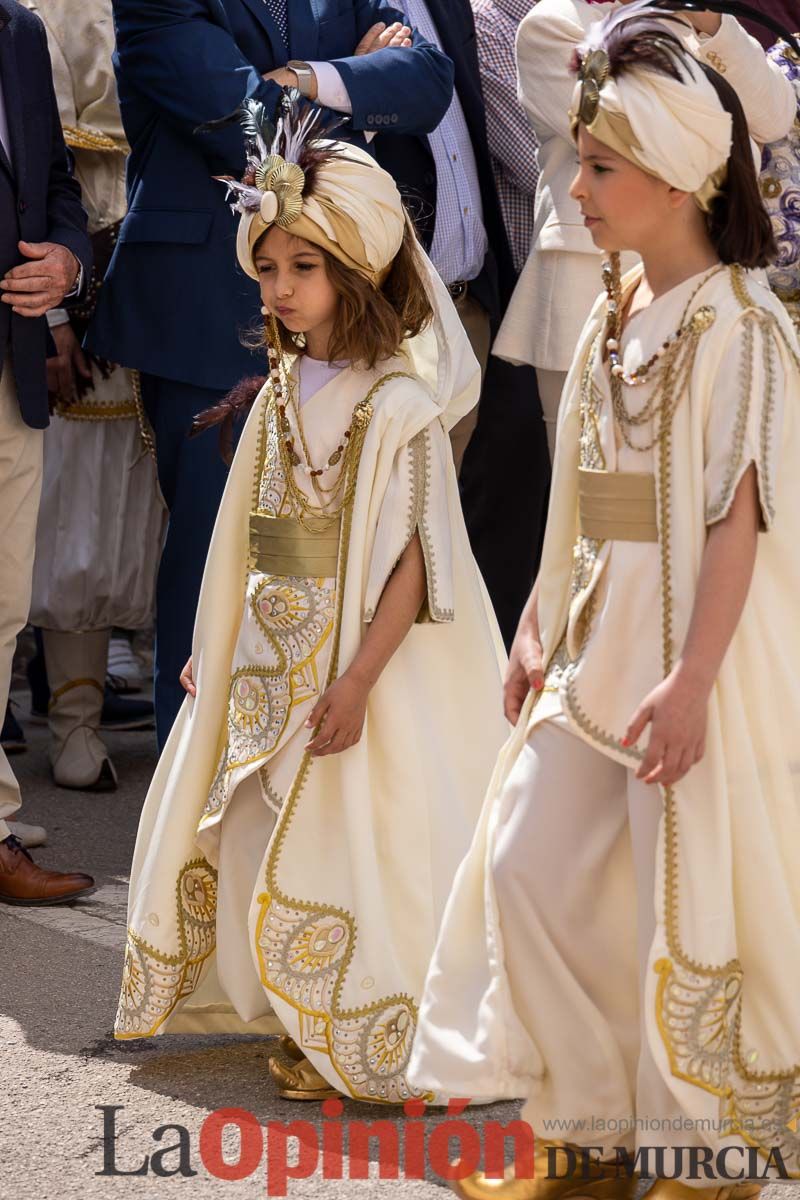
409 89
66 220
191 70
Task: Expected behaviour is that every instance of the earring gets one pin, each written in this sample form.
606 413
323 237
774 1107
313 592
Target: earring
264 310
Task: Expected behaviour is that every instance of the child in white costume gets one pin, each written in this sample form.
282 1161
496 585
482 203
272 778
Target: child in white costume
559 282
324 779
636 872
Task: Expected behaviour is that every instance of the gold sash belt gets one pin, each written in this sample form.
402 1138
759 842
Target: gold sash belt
282 546
617 506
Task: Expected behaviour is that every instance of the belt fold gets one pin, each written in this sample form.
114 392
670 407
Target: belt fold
282 546
617 506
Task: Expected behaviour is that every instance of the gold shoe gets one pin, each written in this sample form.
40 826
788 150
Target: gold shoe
607 1182
289 1048
301 1081
673 1189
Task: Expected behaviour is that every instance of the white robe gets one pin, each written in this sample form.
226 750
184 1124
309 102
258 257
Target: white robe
724 967
365 843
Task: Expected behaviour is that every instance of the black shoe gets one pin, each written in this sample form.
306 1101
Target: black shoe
122 713
12 738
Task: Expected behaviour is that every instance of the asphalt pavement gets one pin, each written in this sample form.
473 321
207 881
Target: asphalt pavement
82 1116
62 1074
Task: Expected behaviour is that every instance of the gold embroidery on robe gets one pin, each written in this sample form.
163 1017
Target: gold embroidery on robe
153 982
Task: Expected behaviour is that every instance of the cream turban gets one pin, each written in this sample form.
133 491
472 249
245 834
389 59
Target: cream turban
675 130
353 210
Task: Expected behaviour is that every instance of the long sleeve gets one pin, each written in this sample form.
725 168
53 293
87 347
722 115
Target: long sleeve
511 139
191 69
416 502
545 41
406 90
745 416
767 96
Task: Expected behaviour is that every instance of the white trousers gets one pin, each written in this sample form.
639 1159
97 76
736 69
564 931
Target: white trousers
20 488
574 872
245 832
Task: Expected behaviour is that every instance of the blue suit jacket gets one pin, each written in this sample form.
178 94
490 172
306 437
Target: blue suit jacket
39 200
175 302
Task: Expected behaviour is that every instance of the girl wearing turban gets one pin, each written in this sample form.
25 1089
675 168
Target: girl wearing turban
325 774
558 285
636 871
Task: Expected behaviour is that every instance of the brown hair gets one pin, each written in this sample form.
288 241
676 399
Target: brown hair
372 322
738 224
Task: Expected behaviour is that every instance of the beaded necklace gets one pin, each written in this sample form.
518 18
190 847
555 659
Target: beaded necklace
669 369
336 497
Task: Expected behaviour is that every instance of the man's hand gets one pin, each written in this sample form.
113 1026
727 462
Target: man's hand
41 283
384 37
68 360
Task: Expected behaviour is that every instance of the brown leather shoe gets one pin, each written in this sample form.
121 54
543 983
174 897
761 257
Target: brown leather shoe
22 882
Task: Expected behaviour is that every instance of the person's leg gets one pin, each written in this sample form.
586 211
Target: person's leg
244 836
20 488
551 385
661 1124
192 475
475 320
563 875
76 671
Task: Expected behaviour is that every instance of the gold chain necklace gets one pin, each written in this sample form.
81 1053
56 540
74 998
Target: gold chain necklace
674 360
317 518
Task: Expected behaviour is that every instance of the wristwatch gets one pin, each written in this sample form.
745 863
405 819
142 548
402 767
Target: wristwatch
305 76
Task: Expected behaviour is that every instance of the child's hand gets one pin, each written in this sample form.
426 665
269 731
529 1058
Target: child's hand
187 679
677 711
524 671
340 714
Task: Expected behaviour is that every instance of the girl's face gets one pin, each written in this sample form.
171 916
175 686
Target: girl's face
295 287
623 207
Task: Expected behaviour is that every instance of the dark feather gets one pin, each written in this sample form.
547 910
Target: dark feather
232 408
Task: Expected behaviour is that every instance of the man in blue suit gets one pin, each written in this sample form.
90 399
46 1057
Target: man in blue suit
174 303
44 256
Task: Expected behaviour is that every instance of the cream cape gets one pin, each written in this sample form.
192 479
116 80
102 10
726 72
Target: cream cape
368 840
724 969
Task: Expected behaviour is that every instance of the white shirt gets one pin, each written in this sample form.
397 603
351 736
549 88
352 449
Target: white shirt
314 375
459 236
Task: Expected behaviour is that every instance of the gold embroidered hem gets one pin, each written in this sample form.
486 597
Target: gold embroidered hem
153 983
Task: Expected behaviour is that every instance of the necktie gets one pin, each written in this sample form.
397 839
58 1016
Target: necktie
278 10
